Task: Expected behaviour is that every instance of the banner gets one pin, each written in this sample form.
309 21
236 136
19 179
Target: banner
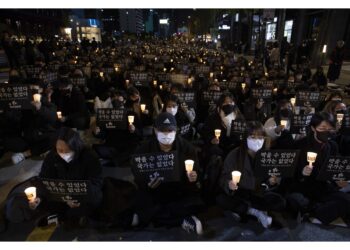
280 163
15 96
112 118
337 168
65 190
149 166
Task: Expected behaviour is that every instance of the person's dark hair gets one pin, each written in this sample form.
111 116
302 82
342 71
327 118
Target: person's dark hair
132 91
171 98
177 86
330 106
222 98
335 93
318 118
72 139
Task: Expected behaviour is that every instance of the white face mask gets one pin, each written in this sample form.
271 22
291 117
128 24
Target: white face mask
68 157
166 138
172 111
255 144
228 119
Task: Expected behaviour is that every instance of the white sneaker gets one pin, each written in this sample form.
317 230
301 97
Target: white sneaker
135 220
17 158
192 224
265 220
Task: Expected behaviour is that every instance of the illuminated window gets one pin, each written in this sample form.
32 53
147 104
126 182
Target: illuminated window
288 30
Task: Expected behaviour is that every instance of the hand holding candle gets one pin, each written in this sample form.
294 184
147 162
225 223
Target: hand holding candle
217 133
59 114
131 119
30 193
284 123
143 107
340 118
292 101
311 158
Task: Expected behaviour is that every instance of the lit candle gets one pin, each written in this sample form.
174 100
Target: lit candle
164 69
36 97
101 74
266 74
236 177
340 117
30 193
127 82
275 90
311 158
189 165
59 114
211 75
292 101
284 123
171 60
160 87
189 80
217 133
221 67
131 119
243 85
143 107
116 69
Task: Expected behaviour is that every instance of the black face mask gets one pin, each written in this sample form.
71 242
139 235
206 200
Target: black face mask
227 109
284 112
324 136
340 111
118 104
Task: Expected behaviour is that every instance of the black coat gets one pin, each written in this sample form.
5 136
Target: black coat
185 151
85 166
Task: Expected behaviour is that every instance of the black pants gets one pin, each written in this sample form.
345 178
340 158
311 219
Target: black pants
119 156
37 145
165 211
242 200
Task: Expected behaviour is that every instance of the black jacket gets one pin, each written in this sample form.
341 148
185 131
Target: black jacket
85 166
185 151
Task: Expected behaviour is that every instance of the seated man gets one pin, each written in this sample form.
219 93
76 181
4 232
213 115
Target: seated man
169 203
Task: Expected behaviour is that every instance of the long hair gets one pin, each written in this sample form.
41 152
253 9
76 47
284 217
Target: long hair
72 139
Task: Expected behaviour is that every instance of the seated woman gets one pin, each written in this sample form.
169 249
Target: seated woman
69 160
245 199
173 106
322 199
225 113
280 135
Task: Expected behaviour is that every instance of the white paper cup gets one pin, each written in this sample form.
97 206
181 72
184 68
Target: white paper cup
143 107
131 119
59 114
30 193
292 101
36 97
189 165
217 133
284 123
236 177
340 117
311 157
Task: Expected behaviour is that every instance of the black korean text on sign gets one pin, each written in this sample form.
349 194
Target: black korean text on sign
299 123
336 169
307 98
188 98
149 166
238 128
112 118
262 93
15 96
279 163
65 190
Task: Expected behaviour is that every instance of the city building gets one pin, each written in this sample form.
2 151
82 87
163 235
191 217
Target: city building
131 21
